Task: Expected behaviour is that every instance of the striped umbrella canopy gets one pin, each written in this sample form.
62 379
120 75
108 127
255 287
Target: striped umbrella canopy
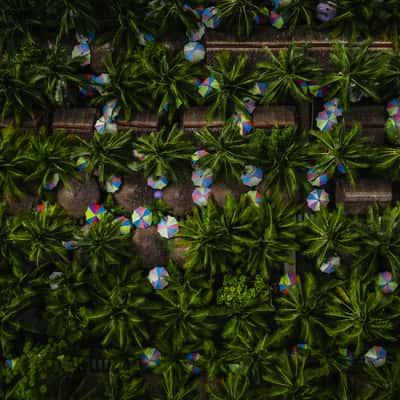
329 266
94 213
197 155
326 120
150 357
194 52
386 282
287 282
393 107
202 178
125 225
52 182
142 217
207 85
158 183
211 18
201 195
376 356
316 178
251 176
113 184
317 198
158 277
244 122
255 196
168 227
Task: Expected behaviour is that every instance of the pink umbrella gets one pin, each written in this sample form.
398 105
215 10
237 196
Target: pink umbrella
201 195
168 227
317 198
202 178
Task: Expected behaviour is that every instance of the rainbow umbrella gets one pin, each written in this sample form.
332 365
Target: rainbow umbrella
81 163
201 195
326 120
316 90
376 355
211 18
85 38
53 278
197 155
104 125
315 178
287 282
194 52
110 110
329 266
244 122
207 85
252 175
276 20
202 178
70 244
393 107
82 50
259 88
159 183
113 184
386 282
255 196
197 34
168 227
260 19
249 104
158 277
190 360
317 198
94 213
150 357
52 183
10 363
333 106
142 217
125 225
302 84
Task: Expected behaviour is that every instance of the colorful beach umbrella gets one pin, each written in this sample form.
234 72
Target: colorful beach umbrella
376 356
194 52
94 213
211 18
104 125
196 35
259 88
386 282
150 357
168 227
10 363
197 155
302 84
329 266
52 182
202 178
326 120
244 122
84 37
54 277
251 176
158 183
393 107
125 226
82 50
81 163
276 20
255 196
190 362
316 178
201 195
281 3
111 110
287 282
317 198
158 277
113 184
260 19
333 106
142 217
317 90
249 104
207 85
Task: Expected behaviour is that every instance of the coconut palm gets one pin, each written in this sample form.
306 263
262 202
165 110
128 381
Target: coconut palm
103 246
167 79
300 312
342 147
285 158
234 386
389 80
327 234
107 154
228 151
117 312
174 389
283 71
381 244
238 15
356 315
40 234
355 72
388 160
48 154
164 152
234 84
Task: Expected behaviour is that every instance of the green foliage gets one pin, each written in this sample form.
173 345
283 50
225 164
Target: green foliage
165 152
174 389
228 151
282 72
327 234
297 12
340 146
234 83
388 160
234 387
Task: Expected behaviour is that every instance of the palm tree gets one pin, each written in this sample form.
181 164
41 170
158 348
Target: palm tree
238 15
40 234
117 312
167 79
49 154
234 386
357 315
228 151
300 312
234 84
104 247
388 160
244 307
174 389
381 243
297 12
330 233
165 152
285 157
340 146
107 153
389 83
355 72
283 71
